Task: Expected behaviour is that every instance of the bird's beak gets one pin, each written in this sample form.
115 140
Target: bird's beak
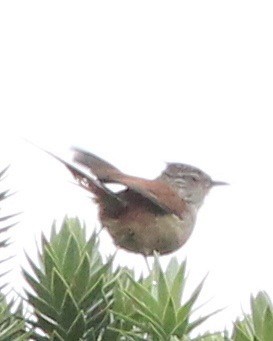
219 183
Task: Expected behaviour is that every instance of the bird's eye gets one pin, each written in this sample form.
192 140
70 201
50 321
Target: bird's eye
193 178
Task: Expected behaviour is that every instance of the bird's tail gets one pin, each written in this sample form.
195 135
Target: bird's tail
102 169
95 186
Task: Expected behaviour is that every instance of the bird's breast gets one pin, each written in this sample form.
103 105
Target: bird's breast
145 232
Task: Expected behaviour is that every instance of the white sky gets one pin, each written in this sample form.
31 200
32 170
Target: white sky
140 83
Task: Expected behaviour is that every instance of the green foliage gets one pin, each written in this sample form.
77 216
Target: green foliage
77 296
152 306
12 325
4 220
213 337
72 288
258 326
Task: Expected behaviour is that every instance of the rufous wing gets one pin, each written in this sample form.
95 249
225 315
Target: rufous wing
158 192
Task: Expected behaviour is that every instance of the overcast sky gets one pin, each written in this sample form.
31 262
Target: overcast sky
140 83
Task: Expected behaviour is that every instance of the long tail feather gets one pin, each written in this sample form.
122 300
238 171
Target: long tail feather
102 193
102 169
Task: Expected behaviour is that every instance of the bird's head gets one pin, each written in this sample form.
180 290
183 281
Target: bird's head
191 183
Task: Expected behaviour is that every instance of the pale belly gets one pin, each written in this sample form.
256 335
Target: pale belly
161 233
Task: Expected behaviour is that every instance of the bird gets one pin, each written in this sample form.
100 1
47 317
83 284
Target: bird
146 216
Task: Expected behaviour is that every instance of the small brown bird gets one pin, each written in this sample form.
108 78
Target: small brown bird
149 215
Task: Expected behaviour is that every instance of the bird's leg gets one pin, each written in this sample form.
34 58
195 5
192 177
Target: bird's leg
115 253
147 263
99 231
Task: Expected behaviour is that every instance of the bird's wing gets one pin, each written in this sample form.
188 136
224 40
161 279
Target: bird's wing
158 192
